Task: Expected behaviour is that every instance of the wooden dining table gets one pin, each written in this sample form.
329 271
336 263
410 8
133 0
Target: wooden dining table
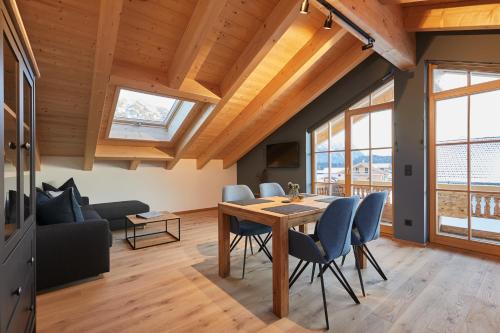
280 224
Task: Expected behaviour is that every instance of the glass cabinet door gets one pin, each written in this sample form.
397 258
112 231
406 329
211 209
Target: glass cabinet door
11 135
27 149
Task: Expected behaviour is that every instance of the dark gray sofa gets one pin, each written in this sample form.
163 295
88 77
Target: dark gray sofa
70 252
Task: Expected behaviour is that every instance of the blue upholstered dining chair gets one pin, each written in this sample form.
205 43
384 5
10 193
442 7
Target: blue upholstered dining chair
271 190
243 228
333 241
365 228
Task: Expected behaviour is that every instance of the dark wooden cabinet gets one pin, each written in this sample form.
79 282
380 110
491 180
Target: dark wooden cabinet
17 189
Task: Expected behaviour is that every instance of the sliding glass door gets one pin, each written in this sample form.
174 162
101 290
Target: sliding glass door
352 153
465 157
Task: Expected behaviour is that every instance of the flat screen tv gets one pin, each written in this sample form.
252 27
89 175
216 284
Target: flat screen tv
283 155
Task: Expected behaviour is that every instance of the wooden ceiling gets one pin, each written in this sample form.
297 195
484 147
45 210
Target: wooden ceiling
250 64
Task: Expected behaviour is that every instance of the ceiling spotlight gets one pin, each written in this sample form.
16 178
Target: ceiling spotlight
328 22
304 7
368 45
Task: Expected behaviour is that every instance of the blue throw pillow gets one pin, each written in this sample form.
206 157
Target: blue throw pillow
70 183
62 209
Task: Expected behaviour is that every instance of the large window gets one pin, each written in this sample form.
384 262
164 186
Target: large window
145 116
465 155
352 153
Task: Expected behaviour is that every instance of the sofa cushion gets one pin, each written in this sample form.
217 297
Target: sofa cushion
119 209
61 209
89 213
70 183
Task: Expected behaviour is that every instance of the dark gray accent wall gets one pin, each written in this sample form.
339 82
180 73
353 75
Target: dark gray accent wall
410 137
331 102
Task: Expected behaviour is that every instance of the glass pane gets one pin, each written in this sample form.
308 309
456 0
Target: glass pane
337 132
485 216
446 79
384 94
361 104
485 166
452 213
381 129
451 120
360 190
133 105
451 167
360 167
485 116
381 172
27 105
11 111
387 213
360 131
321 167
337 173
321 138
478 77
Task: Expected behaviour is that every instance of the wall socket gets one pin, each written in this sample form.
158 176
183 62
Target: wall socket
408 222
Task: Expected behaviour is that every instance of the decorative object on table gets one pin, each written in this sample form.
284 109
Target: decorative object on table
293 192
148 215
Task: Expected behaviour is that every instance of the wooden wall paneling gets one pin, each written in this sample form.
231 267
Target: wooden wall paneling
204 17
331 74
307 56
385 24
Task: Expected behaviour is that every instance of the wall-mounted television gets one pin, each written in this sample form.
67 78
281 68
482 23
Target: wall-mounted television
283 155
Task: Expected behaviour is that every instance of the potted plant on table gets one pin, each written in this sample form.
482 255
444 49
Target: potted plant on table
293 192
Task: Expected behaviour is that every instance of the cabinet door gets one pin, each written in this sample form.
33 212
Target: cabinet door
11 195
27 149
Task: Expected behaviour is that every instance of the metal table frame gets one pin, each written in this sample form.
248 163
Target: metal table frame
135 236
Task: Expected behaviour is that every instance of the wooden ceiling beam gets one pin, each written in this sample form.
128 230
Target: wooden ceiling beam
190 135
134 164
107 34
463 15
135 77
322 41
203 19
127 153
332 73
385 24
275 25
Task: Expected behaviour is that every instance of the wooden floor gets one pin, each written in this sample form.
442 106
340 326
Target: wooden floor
175 288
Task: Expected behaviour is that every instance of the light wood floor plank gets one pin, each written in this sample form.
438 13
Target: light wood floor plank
176 288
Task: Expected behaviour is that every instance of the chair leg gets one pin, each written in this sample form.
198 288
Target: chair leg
251 246
372 260
244 257
324 296
343 281
343 260
295 271
359 271
298 275
312 274
263 247
266 240
235 243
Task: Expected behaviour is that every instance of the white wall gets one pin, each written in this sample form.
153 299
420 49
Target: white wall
183 188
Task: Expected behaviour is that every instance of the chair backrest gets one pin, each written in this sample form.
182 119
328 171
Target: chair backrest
335 226
368 215
271 190
236 192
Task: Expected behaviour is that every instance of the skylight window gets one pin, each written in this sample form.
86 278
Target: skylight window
144 116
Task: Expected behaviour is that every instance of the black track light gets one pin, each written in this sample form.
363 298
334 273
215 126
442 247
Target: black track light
368 45
304 7
328 22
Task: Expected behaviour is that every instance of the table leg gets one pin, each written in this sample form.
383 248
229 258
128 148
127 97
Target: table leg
359 255
303 228
280 269
224 257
